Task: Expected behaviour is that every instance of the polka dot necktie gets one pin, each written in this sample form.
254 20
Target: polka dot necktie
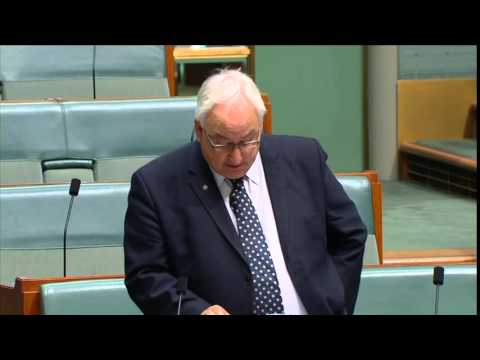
267 297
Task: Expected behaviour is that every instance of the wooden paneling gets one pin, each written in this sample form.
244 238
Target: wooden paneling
225 53
431 257
434 109
442 156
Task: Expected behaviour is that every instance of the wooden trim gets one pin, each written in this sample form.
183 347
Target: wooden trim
377 205
425 151
212 52
403 166
251 62
431 256
24 297
371 174
170 65
267 119
437 262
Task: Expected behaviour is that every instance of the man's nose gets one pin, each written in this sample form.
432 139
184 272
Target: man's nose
235 156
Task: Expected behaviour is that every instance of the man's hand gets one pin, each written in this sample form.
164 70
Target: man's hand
215 310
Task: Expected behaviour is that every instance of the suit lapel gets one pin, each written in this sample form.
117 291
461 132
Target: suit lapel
276 187
203 184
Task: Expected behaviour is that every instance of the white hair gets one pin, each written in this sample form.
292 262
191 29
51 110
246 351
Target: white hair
226 87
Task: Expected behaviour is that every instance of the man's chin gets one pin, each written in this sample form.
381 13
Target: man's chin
234 172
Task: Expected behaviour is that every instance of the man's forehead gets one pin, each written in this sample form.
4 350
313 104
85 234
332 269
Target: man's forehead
229 120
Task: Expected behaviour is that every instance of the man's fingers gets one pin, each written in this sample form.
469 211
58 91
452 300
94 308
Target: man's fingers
215 310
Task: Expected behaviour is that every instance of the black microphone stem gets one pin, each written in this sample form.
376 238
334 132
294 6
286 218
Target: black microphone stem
93 71
65 238
436 300
179 304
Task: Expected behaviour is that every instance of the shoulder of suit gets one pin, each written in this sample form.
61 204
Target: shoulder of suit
286 141
171 161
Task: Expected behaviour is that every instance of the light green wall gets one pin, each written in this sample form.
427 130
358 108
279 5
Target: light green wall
317 91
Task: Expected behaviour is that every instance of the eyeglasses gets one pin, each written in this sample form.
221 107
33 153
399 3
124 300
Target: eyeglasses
229 146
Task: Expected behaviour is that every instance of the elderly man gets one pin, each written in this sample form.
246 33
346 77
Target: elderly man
257 223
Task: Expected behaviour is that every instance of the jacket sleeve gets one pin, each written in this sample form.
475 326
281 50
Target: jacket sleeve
346 233
148 278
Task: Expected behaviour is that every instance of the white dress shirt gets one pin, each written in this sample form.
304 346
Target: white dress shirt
257 190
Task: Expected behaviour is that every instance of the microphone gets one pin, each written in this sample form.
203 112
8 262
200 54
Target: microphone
181 290
74 188
93 71
438 277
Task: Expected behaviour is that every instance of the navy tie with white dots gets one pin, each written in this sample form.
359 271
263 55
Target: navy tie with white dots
267 297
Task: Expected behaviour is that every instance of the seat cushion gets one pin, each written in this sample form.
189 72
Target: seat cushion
88 297
42 89
63 176
33 131
119 169
131 87
20 172
409 290
33 217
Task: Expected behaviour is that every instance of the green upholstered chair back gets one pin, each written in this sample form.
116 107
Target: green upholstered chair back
358 189
88 71
122 135
94 140
130 71
33 217
29 133
41 71
45 62
32 225
119 128
88 297
409 290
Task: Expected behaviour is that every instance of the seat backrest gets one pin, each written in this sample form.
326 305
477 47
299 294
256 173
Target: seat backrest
87 72
130 71
45 62
32 224
88 297
122 135
40 71
365 191
97 140
29 133
118 128
130 61
33 217
409 290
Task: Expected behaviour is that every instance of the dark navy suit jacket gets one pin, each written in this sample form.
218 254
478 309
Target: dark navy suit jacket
177 225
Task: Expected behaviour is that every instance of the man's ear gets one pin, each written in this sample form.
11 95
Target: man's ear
198 129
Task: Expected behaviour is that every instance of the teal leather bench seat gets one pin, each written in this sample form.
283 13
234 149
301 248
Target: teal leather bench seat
87 297
29 133
130 71
383 291
122 135
359 190
409 290
83 72
42 71
95 141
33 218
32 224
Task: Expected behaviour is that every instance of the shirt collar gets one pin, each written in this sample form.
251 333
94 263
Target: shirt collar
253 174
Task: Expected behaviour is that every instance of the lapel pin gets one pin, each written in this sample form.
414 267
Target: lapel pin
205 187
